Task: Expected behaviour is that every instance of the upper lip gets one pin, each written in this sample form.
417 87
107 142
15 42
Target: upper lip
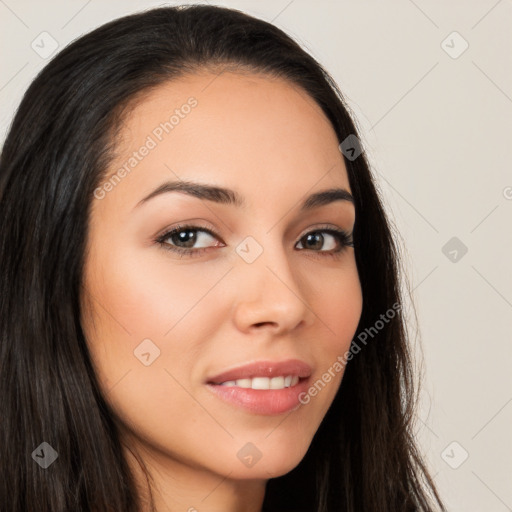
293 367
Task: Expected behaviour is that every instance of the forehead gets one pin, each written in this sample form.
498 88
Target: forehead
249 131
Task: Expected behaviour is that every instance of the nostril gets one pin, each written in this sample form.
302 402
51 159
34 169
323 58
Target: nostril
259 324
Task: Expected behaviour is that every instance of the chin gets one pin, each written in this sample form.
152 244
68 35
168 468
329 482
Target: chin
268 461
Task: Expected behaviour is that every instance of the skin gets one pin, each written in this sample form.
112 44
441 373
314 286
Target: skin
270 142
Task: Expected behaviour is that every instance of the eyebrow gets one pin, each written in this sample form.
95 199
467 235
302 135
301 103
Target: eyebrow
227 196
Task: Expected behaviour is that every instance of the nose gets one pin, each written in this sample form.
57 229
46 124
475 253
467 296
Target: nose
269 293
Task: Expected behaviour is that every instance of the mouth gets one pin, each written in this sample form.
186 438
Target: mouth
265 387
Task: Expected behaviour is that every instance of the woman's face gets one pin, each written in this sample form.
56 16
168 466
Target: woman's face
263 282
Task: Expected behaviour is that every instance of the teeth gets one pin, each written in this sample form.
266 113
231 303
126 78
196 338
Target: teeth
280 382
260 383
276 383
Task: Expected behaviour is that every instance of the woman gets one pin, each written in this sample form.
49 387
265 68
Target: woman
265 369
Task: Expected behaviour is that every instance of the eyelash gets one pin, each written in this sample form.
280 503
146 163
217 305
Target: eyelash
342 237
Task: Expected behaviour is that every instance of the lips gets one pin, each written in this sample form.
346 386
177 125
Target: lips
269 369
263 387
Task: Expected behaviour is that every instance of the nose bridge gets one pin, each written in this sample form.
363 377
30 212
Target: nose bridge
268 288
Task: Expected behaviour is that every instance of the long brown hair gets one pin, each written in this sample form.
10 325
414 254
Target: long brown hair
362 458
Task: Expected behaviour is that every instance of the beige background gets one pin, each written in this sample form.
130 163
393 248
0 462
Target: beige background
438 130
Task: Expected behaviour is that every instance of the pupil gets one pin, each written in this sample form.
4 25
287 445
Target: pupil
183 237
317 237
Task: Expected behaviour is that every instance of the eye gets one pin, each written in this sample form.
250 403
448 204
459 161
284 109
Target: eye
336 241
183 239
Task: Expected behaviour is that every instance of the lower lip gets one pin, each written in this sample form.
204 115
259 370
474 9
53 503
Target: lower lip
262 401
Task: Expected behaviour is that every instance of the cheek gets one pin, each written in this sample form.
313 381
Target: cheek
137 300
339 307
148 296
339 310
